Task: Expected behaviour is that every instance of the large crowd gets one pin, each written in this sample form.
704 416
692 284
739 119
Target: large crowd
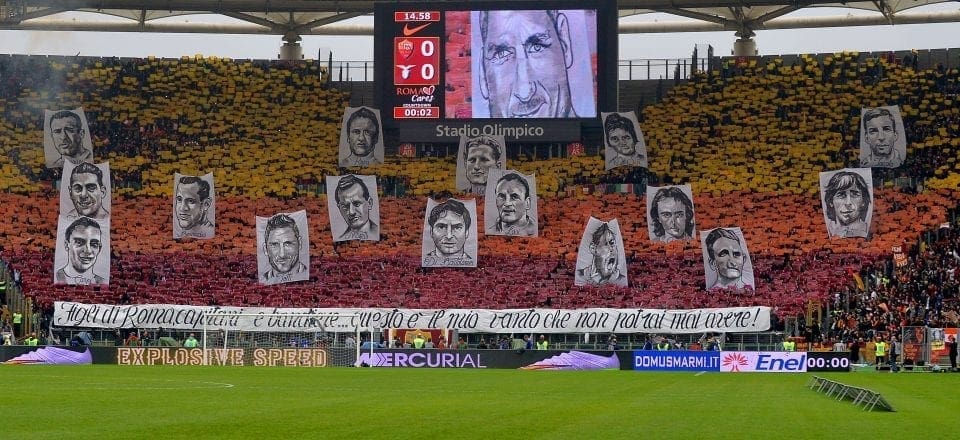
751 158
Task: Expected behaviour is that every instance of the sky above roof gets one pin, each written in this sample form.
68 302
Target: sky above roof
360 48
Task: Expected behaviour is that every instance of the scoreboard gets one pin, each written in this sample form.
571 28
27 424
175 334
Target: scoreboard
433 80
416 65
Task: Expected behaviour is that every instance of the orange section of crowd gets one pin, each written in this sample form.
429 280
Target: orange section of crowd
749 139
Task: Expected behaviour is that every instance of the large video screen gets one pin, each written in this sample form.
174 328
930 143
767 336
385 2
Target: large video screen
495 61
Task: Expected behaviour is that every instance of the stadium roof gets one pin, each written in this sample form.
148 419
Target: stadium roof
293 18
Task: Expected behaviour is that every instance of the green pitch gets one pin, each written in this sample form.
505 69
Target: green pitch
111 402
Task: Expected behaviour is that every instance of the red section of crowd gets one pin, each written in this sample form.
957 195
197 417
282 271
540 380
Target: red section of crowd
751 163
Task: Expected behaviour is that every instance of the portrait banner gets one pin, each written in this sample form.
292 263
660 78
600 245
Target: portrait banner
846 197
85 190
726 260
194 206
450 234
623 141
283 248
600 258
883 142
510 204
66 137
524 321
82 256
554 49
361 137
476 156
670 213
354 207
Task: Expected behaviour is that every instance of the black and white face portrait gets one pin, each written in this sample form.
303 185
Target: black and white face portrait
354 207
194 206
533 64
450 234
361 137
510 204
83 251
846 197
726 261
85 190
600 258
670 213
623 141
475 158
66 137
883 143
283 248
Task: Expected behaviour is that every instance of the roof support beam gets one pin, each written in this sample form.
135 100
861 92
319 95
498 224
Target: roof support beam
251 19
306 27
717 24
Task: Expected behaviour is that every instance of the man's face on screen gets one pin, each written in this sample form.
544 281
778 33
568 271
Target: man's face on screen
283 249
353 207
524 64
622 141
881 135
848 203
83 247
86 193
605 255
479 161
672 214
190 209
512 201
449 234
67 134
729 259
362 134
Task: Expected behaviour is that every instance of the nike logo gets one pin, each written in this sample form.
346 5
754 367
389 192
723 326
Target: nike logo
408 31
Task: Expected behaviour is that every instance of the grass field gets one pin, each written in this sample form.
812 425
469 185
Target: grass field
111 402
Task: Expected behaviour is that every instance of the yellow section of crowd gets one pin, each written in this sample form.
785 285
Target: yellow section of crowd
262 127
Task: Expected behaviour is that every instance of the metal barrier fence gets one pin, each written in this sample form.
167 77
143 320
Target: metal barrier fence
641 69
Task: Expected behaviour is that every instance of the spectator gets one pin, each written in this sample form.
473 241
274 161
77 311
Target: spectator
370 345
84 338
713 344
648 343
952 352
612 343
894 352
663 344
133 340
542 343
17 323
789 345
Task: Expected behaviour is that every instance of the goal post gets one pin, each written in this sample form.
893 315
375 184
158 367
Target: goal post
268 339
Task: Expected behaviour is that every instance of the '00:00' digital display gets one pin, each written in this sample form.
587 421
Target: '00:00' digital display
416 112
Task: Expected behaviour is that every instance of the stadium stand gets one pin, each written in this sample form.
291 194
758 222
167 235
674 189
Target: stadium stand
749 137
